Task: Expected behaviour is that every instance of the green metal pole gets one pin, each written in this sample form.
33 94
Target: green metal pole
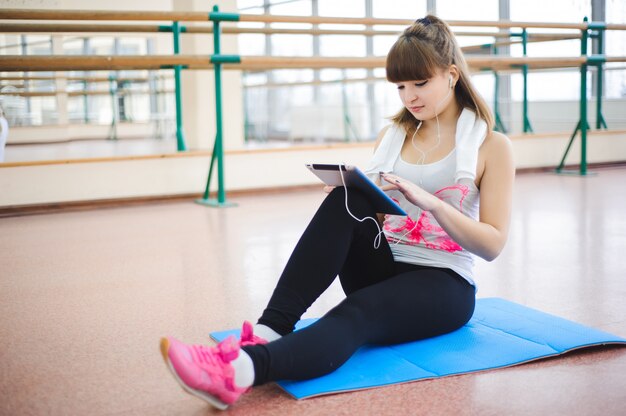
496 103
599 88
207 189
217 157
219 148
582 125
217 144
180 137
85 103
526 122
344 109
113 94
246 119
569 146
583 104
496 96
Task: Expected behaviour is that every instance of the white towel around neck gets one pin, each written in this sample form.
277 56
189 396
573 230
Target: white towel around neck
470 133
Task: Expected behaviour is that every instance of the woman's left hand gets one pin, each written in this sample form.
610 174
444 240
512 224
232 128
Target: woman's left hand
413 193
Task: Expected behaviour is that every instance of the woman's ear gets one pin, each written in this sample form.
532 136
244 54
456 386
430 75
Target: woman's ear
454 75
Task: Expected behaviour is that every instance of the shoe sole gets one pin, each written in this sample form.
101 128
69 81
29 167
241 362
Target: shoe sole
212 400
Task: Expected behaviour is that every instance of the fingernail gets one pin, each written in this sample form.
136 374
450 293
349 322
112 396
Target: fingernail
397 180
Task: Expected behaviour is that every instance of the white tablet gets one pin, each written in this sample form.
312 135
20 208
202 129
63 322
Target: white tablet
355 178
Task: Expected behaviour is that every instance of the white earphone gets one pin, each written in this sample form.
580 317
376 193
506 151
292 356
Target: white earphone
377 239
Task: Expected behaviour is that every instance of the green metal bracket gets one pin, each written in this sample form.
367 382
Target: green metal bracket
217 16
169 28
225 59
173 66
596 59
180 136
596 25
217 156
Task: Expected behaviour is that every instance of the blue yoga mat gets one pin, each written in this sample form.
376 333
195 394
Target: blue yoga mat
500 334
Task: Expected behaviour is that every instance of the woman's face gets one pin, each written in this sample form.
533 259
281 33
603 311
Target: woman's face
427 97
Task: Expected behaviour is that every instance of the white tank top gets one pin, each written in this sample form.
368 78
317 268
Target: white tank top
418 238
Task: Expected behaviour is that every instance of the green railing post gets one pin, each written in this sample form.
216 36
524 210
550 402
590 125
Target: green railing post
344 109
219 138
600 121
85 103
526 123
246 119
582 125
496 103
583 103
180 137
113 94
499 126
217 155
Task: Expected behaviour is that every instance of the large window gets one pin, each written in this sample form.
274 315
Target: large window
333 104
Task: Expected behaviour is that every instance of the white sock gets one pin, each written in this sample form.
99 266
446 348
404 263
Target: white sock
266 332
244 370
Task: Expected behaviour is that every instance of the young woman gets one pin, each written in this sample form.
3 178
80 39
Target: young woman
450 172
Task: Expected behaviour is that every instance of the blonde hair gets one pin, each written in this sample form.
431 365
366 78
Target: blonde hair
425 47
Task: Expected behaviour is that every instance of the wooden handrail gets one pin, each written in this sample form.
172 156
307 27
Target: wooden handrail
470 48
76 28
274 84
401 22
93 79
30 14
376 79
136 28
80 93
479 62
65 63
93 63
39 14
279 84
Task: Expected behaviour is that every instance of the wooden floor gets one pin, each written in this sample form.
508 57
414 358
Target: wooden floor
85 296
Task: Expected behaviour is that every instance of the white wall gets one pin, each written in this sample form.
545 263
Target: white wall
182 174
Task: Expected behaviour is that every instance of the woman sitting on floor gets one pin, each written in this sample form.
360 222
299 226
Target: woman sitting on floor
452 174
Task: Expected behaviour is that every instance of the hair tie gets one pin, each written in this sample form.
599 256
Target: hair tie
424 21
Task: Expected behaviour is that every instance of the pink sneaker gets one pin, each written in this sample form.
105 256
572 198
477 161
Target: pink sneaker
248 337
204 371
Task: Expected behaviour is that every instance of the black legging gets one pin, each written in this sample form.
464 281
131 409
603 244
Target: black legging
387 302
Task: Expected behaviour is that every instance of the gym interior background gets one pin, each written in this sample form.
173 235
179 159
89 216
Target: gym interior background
112 121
